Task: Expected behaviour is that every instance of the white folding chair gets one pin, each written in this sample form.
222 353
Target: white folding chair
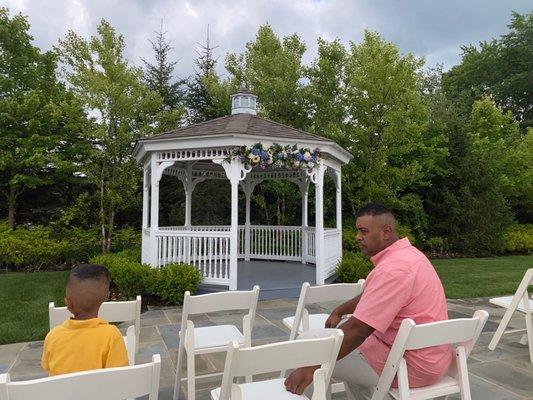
275 357
302 320
464 332
520 302
102 384
111 311
212 339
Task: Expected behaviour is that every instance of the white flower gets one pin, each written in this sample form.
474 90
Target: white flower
251 156
310 164
265 147
256 159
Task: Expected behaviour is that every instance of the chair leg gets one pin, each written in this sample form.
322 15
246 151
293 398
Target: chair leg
462 372
529 328
177 384
191 376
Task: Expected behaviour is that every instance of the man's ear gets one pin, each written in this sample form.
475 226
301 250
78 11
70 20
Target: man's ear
387 231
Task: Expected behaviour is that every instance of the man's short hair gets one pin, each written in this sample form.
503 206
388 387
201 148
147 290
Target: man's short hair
83 272
374 209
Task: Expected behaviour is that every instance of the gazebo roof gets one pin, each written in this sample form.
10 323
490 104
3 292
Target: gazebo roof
243 124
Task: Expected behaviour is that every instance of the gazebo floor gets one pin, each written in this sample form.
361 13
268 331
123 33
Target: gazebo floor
277 279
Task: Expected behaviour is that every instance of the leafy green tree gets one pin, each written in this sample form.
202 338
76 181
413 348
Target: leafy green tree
502 68
159 77
39 119
386 130
123 109
473 206
273 70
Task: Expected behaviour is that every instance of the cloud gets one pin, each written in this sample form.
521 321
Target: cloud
432 29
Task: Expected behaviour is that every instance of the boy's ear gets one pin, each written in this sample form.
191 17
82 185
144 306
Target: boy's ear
70 305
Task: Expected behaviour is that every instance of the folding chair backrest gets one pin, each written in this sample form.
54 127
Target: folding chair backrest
279 356
102 384
321 294
464 332
111 311
223 301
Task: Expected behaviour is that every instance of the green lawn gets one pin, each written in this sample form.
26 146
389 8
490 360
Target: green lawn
24 297
481 277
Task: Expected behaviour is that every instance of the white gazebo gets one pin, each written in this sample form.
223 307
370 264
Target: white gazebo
208 150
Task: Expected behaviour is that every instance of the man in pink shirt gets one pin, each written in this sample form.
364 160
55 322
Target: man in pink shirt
403 284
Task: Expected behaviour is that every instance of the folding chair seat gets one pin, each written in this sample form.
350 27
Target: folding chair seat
111 311
211 339
464 332
102 384
276 357
522 303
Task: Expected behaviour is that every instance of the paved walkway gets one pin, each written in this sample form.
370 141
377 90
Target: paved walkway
503 374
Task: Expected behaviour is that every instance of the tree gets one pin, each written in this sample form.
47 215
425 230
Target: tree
123 109
159 77
39 118
272 69
386 131
207 96
472 206
501 68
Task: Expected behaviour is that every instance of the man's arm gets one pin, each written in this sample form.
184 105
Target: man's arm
345 308
355 333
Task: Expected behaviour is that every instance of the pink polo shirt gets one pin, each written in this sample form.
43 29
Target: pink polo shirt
403 284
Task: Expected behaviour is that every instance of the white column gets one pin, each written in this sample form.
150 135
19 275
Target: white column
338 209
248 187
146 194
318 179
236 172
154 210
188 195
304 190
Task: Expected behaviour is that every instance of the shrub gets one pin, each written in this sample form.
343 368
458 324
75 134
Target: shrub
518 239
436 244
172 281
128 276
354 266
126 238
349 243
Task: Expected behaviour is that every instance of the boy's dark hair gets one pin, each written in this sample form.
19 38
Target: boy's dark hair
82 272
374 209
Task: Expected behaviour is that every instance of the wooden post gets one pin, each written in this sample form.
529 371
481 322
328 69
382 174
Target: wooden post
318 179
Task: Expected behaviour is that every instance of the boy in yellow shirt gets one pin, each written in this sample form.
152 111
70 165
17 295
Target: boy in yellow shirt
84 342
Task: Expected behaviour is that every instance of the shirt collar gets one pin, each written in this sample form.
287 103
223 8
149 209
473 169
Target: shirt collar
84 323
397 245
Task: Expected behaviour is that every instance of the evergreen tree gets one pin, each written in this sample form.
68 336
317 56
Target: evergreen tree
207 96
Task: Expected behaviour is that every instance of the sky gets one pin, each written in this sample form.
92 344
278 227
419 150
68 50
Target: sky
434 29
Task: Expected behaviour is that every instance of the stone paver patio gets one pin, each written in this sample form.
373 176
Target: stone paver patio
503 374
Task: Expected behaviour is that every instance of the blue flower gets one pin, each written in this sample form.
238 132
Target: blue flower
255 151
299 156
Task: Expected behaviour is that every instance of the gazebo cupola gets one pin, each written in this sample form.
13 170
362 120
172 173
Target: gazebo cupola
245 150
243 102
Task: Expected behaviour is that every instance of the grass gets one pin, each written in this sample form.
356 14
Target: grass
24 297
481 277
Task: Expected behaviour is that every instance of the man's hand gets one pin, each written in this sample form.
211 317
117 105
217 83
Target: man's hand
333 320
299 379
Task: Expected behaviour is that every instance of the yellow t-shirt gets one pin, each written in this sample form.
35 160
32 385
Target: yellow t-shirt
81 345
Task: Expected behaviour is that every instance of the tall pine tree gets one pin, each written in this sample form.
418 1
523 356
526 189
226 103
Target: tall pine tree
159 77
207 97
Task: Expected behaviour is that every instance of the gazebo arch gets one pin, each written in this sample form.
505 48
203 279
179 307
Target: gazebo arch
213 150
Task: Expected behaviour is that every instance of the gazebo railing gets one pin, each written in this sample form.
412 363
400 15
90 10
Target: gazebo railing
276 242
208 251
332 250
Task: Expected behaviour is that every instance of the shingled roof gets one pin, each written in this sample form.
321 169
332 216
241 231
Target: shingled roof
246 124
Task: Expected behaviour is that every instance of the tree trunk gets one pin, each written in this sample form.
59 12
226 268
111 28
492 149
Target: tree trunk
110 229
11 206
102 213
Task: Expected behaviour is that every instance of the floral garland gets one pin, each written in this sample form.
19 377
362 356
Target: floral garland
276 156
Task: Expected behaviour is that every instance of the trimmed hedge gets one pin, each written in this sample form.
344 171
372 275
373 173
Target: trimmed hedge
131 278
518 239
39 247
353 266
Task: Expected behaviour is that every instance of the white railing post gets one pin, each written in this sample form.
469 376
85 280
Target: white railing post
248 186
